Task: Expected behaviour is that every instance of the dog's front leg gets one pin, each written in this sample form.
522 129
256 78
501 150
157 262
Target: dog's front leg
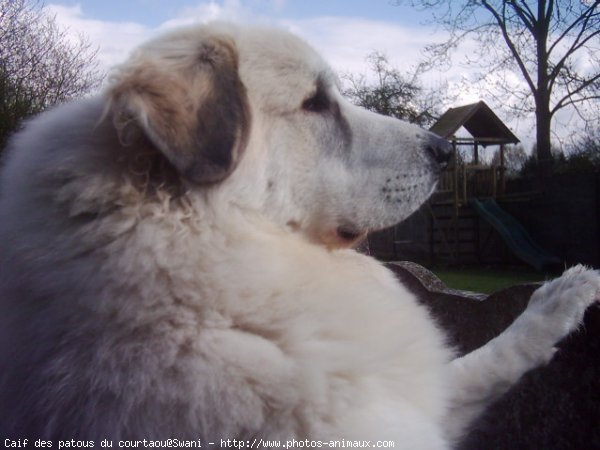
554 311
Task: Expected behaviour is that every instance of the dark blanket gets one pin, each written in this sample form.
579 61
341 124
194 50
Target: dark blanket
552 407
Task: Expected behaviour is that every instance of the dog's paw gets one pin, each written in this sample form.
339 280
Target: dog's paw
558 306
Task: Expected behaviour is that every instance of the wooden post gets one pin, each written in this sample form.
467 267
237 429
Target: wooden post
455 181
477 238
431 238
465 184
502 170
475 153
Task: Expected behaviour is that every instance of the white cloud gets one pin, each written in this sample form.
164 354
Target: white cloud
114 39
230 10
344 42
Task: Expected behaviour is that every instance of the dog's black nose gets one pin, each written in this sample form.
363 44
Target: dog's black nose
440 149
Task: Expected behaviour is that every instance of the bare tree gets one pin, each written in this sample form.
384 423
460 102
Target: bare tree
553 45
40 63
391 93
587 147
515 158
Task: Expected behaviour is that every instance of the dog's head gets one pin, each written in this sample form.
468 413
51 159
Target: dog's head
257 114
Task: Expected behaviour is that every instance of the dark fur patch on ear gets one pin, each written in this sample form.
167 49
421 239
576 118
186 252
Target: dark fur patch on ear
223 125
197 116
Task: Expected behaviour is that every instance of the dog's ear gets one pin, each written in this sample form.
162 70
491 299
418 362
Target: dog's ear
192 107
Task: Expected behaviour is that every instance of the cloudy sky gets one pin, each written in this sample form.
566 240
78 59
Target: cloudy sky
344 31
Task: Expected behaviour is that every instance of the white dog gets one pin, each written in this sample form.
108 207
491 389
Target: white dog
173 263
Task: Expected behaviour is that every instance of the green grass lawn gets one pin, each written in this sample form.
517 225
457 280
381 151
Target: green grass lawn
485 280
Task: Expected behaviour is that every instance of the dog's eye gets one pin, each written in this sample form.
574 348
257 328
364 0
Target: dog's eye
318 102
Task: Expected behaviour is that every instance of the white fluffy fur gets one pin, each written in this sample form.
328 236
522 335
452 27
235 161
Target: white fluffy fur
229 310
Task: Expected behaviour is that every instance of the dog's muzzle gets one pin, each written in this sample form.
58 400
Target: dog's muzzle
440 150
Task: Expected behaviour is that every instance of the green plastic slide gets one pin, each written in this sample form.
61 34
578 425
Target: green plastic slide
515 236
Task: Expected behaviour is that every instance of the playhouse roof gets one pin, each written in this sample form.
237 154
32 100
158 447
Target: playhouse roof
479 120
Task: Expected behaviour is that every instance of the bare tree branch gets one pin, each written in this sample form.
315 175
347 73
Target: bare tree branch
553 47
393 93
40 65
584 17
569 99
523 12
501 21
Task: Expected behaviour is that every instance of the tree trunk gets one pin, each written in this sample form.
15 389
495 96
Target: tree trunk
543 141
542 95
